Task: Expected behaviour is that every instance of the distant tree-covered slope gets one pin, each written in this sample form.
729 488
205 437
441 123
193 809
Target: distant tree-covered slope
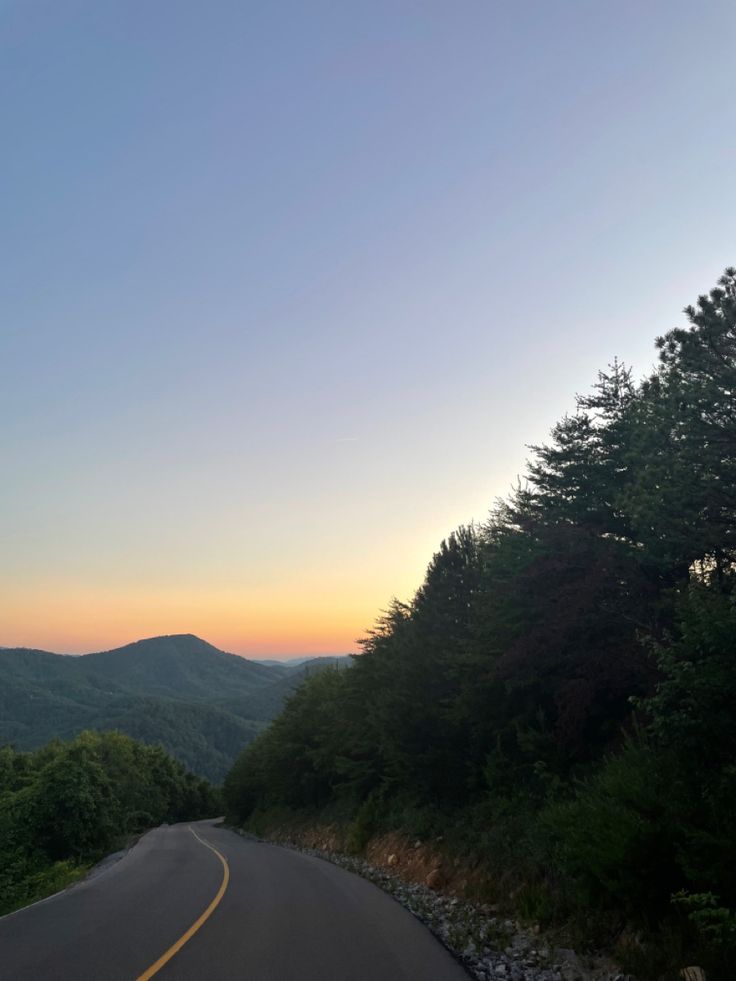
180 666
200 703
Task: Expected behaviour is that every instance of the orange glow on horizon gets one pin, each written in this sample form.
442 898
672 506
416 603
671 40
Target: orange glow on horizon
68 621
309 610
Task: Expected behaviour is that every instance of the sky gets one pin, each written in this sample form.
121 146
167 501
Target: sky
287 289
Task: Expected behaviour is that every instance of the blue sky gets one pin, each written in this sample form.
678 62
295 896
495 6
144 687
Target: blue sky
287 288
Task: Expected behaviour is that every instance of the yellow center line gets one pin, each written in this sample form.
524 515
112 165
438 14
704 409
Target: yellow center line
175 948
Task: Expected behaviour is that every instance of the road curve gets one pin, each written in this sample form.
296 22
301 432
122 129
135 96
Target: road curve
239 910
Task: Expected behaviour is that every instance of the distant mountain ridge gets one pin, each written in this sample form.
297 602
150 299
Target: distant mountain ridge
295 662
202 704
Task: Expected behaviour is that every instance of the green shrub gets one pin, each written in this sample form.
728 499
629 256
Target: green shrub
615 840
714 924
363 827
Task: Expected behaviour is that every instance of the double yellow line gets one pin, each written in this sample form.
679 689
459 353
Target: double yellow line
175 948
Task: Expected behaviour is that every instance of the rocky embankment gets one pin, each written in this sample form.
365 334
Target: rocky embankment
490 945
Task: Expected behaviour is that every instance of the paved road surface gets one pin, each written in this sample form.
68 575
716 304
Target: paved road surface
281 916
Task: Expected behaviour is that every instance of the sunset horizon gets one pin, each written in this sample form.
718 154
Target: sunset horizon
278 325
279 653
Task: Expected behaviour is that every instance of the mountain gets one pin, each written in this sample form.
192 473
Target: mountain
202 704
181 665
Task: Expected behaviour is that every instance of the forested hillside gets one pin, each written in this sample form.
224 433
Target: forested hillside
559 697
68 804
200 703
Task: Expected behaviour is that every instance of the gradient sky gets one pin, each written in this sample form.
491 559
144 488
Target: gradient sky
287 287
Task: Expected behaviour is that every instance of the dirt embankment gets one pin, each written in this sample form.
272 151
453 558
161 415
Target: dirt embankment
413 861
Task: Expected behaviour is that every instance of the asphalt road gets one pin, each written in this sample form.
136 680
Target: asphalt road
253 912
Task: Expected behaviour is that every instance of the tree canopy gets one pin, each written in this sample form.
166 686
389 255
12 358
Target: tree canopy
69 803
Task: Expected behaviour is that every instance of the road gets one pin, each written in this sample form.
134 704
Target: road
200 903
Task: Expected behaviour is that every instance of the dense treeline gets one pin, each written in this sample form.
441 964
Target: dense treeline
66 805
562 686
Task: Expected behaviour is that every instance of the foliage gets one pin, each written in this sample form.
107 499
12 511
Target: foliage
614 838
67 804
715 924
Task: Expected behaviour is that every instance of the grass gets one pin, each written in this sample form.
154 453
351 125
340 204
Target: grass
41 884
